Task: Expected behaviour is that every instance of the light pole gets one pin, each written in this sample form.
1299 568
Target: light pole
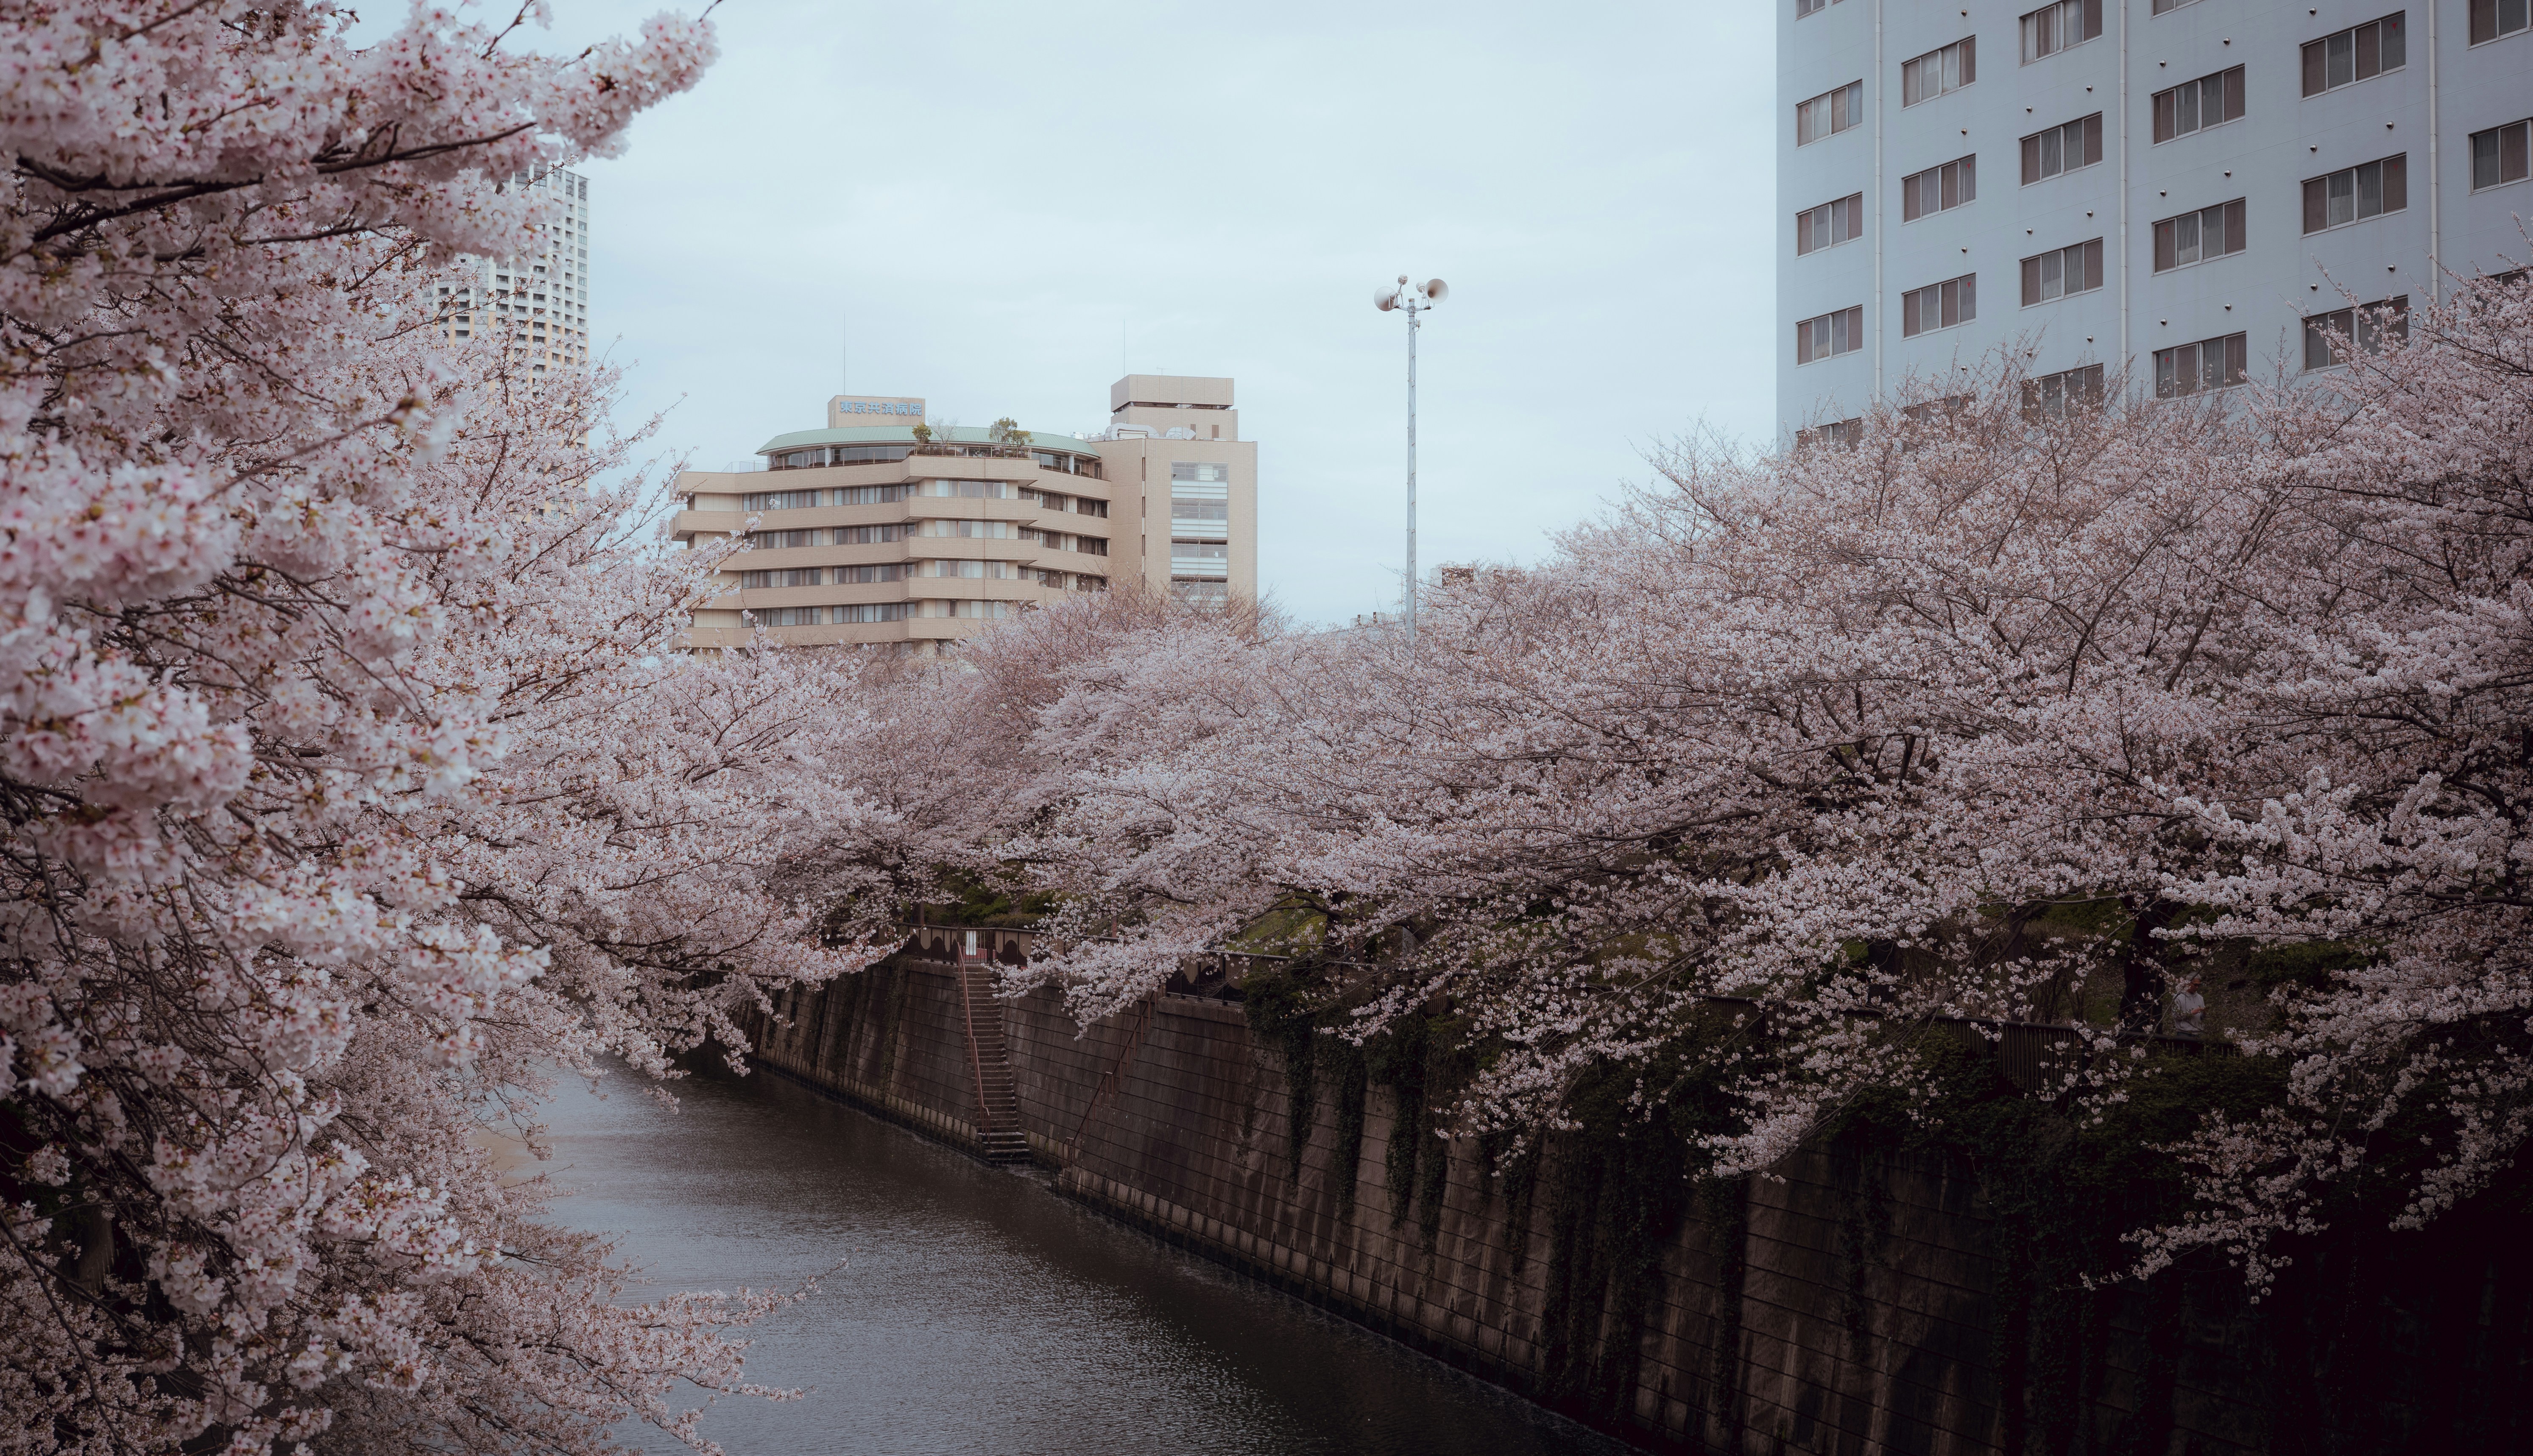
1414 301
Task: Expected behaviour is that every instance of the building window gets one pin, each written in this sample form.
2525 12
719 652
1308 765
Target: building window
969 570
1198 592
791 617
868 534
1829 224
964 609
780 500
2357 54
2498 156
847 576
2196 237
2355 193
2061 272
1199 472
1199 511
1829 113
1803 8
1938 188
2209 363
783 539
2329 339
2053 28
1829 336
1842 434
869 612
1939 71
805 576
2196 105
970 530
1091 546
1954 301
2049 396
2062 149
964 489
2491 19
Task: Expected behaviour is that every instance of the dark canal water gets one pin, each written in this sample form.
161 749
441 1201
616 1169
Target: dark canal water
980 1312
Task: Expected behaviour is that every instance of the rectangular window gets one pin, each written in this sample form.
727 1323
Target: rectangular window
1840 433
1199 472
2355 193
2329 337
805 576
964 489
780 500
1931 409
2498 156
2062 149
846 576
782 540
2210 364
2165 7
2491 19
1812 7
970 530
1939 71
2061 272
2196 237
2196 105
868 534
1939 306
1829 113
1938 188
2053 28
1829 224
791 617
2359 54
2049 395
1829 336
869 612
1199 511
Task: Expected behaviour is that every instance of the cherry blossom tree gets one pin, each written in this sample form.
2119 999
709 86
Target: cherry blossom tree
1795 757
353 780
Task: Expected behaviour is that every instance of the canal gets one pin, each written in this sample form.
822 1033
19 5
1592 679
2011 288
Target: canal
979 1311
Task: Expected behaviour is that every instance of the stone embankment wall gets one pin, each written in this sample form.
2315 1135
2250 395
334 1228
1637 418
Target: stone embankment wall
1847 1305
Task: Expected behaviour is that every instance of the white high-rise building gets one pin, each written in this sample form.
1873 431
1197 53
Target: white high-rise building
2195 190
540 303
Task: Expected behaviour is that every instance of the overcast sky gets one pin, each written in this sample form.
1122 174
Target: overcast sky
988 194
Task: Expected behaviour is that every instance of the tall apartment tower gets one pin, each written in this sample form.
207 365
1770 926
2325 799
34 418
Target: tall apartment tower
865 533
2194 189
539 304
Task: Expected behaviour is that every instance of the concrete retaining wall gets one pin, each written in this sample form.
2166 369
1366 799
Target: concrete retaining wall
1857 1306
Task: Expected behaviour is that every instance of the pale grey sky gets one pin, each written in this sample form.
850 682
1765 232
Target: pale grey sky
988 191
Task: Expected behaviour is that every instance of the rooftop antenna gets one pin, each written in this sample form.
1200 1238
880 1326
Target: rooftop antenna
1415 300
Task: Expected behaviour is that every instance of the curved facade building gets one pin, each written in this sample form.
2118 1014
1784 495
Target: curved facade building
861 532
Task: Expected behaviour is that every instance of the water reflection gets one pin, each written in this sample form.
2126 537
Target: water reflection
981 1312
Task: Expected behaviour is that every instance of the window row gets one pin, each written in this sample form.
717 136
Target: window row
925 530
2342 58
2331 338
1078 504
816 576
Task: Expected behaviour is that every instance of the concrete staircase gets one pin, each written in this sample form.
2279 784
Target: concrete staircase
998 1102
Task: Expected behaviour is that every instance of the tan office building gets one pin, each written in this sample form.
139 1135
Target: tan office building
863 534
